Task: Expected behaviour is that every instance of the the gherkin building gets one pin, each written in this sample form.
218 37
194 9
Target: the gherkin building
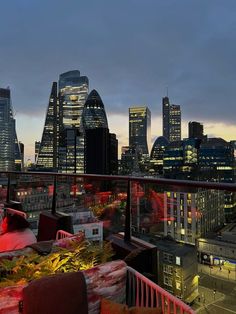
94 115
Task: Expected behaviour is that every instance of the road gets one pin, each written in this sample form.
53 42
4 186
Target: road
217 293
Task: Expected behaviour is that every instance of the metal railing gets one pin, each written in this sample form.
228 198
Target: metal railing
61 234
143 292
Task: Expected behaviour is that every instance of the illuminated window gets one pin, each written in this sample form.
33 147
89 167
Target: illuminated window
177 260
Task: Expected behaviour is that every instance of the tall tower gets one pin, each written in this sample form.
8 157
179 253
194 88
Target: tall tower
98 141
140 129
73 92
171 117
94 114
7 132
47 155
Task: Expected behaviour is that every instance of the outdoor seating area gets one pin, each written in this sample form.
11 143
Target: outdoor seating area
114 281
84 291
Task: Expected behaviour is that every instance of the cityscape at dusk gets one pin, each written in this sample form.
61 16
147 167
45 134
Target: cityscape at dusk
130 51
117 157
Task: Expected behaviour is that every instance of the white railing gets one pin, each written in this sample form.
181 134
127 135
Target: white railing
142 292
61 234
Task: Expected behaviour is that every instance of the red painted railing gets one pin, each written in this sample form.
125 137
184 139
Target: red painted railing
143 292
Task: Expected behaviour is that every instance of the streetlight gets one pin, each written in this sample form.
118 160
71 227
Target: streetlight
214 293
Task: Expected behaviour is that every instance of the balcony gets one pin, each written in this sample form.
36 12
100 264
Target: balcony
140 215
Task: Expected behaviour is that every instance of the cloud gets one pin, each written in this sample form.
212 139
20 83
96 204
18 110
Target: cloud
129 49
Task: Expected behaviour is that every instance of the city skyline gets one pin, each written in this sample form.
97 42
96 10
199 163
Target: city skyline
129 56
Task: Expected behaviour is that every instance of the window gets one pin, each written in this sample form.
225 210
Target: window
177 260
95 231
168 257
168 269
178 285
168 281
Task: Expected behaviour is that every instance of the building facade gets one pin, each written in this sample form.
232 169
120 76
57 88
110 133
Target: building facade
101 147
47 153
157 155
195 130
8 138
73 92
193 214
171 120
140 129
177 269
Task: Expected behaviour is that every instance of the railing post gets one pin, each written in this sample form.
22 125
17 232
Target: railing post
127 236
54 196
8 187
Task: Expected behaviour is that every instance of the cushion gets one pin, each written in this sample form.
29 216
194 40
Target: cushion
111 307
60 294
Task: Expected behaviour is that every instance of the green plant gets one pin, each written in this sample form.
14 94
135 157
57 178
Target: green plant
79 256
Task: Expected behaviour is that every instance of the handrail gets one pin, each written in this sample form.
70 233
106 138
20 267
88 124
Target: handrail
152 291
189 183
61 234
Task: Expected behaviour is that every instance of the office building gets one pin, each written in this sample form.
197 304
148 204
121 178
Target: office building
7 132
19 161
94 114
101 147
73 92
96 151
216 164
173 160
140 129
22 152
129 163
47 151
192 214
195 130
157 155
171 119
113 154
36 150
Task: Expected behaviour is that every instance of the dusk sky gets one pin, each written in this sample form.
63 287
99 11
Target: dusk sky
130 50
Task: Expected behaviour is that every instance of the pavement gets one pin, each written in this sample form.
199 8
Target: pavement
218 272
217 291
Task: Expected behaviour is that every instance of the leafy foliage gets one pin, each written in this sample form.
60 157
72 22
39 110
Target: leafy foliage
79 256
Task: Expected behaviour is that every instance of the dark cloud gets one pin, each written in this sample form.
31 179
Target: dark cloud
130 50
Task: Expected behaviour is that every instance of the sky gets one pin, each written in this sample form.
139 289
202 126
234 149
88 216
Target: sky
130 50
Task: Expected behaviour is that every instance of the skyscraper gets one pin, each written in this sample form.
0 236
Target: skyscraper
171 117
7 132
94 114
101 147
195 130
47 155
140 129
36 150
73 92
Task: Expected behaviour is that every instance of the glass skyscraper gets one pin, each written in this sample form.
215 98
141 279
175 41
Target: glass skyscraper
98 140
140 129
47 155
7 132
94 114
73 92
171 117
